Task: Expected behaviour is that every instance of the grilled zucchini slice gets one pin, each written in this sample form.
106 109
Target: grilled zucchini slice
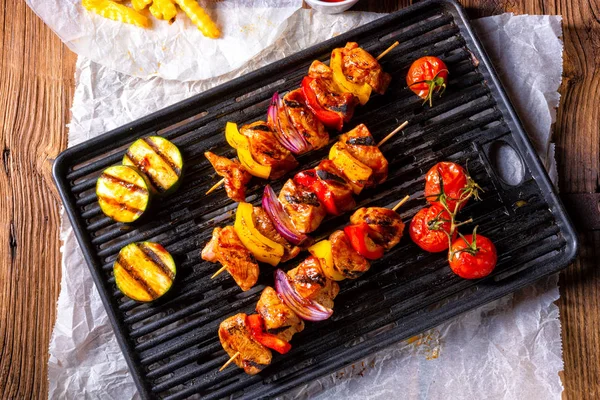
144 271
123 193
159 159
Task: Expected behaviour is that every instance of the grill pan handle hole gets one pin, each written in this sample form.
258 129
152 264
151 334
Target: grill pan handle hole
506 162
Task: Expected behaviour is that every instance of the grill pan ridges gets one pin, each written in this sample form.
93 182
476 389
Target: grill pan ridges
171 346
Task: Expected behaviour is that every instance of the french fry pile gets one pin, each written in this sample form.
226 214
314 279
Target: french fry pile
161 9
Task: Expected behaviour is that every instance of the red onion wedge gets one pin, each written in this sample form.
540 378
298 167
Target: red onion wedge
306 309
283 128
281 220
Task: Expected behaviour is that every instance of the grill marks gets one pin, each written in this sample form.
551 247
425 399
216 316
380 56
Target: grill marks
142 271
119 204
134 274
127 185
156 259
165 157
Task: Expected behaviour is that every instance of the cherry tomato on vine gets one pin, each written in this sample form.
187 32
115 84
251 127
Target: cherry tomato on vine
455 183
472 256
427 75
430 228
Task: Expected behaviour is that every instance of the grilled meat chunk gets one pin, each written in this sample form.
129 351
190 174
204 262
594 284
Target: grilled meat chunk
386 226
310 282
266 149
332 99
363 147
345 259
336 183
361 67
279 319
236 177
320 70
235 337
302 206
304 120
226 248
263 223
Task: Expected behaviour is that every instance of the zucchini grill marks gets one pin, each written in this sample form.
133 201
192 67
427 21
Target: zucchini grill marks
159 159
123 193
144 271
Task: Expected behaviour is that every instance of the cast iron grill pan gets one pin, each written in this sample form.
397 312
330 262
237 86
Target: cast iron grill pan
172 347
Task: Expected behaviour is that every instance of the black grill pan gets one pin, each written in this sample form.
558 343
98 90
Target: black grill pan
171 346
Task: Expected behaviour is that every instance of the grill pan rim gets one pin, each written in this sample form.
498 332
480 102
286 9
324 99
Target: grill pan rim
194 104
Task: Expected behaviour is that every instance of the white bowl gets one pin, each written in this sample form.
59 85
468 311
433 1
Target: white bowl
331 8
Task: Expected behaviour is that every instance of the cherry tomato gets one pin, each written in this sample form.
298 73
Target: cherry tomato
454 181
430 228
427 75
473 256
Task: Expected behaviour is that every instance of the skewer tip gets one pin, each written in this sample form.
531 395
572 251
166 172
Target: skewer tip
401 203
231 359
392 133
215 186
218 272
396 43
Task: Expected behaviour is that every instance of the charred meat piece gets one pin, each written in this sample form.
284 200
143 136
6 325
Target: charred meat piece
320 70
361 67
304 120
345 259
386 226
310 282
360 143
236 177
266 149
330 98
226 248
263 223
279 319
340 190
235 337
302 206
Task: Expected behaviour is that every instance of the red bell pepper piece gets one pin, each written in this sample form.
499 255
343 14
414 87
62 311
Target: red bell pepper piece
309 180
362 243
257 327
327 117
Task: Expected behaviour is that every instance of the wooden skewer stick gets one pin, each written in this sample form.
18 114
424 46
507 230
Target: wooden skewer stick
215 186
388 137
218 272
233 357
387 50
401 203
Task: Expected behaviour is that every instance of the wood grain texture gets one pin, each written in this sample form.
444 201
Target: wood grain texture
36 88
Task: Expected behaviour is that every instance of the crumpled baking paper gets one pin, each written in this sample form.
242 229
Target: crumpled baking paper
508 349
170 51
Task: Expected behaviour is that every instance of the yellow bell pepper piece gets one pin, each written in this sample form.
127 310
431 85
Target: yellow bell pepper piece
117 12
241 143
362 92
139 5
254 168
163 9
234 137
357 172
322 251
200 18
263 248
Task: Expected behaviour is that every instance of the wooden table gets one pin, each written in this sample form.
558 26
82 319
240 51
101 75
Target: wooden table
36 88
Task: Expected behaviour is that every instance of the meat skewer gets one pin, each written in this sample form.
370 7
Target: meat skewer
249 339
318 69
351 139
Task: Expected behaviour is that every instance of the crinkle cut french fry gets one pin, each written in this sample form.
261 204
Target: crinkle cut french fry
139 5
200 18
118 12
163 9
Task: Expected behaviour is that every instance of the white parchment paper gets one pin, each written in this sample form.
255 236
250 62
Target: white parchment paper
509 349
171 51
